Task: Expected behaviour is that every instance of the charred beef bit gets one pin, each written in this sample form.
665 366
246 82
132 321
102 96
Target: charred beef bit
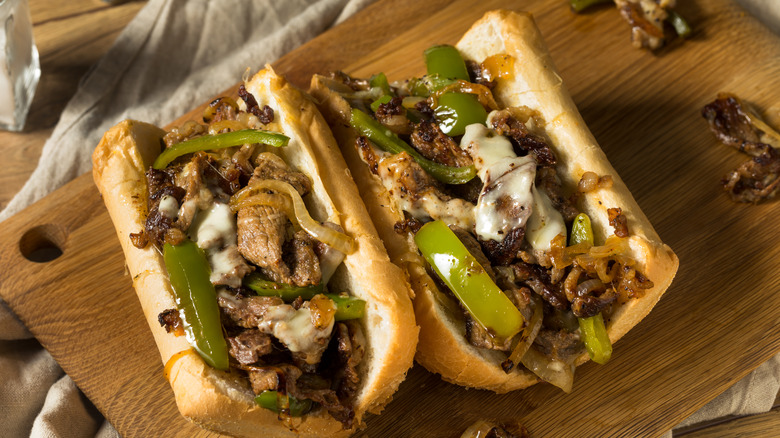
479 337
160 228
505 252
559 344
506 123
408 225
249 346
547 180
367 153
755 180
393 116
424 107
139 240
350 351
619 221
314 388
246 312
265 114
591 305
477 74
646 19
353 83
731 124
171 320
221 108
538 279
435 145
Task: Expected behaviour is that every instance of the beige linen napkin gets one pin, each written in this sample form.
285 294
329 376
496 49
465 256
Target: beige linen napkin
173 56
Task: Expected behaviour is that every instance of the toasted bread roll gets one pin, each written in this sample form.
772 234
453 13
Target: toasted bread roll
528 81
224 401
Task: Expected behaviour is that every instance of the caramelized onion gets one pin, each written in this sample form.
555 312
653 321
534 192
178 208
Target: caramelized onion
526 338
552 371
482 92
337 240
222 125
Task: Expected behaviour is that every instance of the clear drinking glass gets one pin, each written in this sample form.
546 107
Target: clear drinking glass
19 65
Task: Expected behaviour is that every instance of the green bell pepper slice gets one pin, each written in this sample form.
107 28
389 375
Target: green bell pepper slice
347 307
219 141
592 329
286 292
581 230
385 98
580 5
445 61
196 299
276 402
468 280
594 336
389 142
455 111
680 25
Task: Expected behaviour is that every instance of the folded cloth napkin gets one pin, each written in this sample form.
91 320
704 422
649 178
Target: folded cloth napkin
174 55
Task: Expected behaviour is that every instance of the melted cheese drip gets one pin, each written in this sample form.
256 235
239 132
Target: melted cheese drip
296 330
509 179
168 207
214 230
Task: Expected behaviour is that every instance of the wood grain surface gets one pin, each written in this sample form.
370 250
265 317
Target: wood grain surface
717 322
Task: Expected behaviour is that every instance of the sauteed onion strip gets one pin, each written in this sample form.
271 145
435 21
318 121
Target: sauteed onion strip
294 208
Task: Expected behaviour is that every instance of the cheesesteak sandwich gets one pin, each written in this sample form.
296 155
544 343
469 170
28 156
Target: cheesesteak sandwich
526 251
272 300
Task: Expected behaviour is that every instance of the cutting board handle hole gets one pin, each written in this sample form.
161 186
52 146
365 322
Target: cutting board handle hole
43 243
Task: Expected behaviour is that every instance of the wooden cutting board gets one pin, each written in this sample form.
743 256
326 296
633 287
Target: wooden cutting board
717 322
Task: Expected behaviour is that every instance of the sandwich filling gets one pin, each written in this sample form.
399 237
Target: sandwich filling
279 323
447 154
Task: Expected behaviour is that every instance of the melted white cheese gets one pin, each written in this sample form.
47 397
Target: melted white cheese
507 197
509 180
545 222
168 207
296 330
214 230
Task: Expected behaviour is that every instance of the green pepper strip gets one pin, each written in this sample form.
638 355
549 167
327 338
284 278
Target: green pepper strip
679 23
196 299
468 280
592 329
286 292
594 335
275 401
219 141
445 61
455 111
380 81
385 98
388 141
580 5
581 230
347 307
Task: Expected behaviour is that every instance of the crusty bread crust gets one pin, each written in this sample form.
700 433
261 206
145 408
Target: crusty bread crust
443 347
217 400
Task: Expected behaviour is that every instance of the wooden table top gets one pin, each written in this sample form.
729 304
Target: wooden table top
70 37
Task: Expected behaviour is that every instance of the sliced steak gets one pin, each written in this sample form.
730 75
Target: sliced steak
249 346
435 145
